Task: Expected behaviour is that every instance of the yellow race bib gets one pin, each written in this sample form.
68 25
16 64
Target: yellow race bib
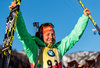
49 58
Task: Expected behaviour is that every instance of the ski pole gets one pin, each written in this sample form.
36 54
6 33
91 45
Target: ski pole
94 23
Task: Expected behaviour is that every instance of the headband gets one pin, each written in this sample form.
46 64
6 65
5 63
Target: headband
46 29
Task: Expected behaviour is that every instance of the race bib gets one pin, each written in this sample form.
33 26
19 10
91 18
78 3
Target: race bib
49 58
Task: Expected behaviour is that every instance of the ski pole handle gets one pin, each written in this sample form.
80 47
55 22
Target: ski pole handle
94 23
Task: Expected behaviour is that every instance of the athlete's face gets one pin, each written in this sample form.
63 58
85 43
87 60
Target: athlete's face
49 37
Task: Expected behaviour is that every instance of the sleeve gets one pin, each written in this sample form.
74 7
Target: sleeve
30 46
68 42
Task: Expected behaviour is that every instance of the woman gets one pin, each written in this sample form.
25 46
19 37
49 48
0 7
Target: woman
50 52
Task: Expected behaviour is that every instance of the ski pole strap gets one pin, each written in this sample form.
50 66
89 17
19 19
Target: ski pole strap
94 23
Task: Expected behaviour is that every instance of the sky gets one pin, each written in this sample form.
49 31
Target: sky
64 14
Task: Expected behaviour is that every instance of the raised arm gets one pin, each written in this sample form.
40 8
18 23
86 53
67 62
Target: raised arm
68 42
30 46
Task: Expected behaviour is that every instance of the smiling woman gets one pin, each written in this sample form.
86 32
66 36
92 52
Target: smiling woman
50 52
42 50
47 33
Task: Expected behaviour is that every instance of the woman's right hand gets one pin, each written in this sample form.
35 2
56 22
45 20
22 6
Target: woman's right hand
13 4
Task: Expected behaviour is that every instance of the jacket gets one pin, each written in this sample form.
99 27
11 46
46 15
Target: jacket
32 43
